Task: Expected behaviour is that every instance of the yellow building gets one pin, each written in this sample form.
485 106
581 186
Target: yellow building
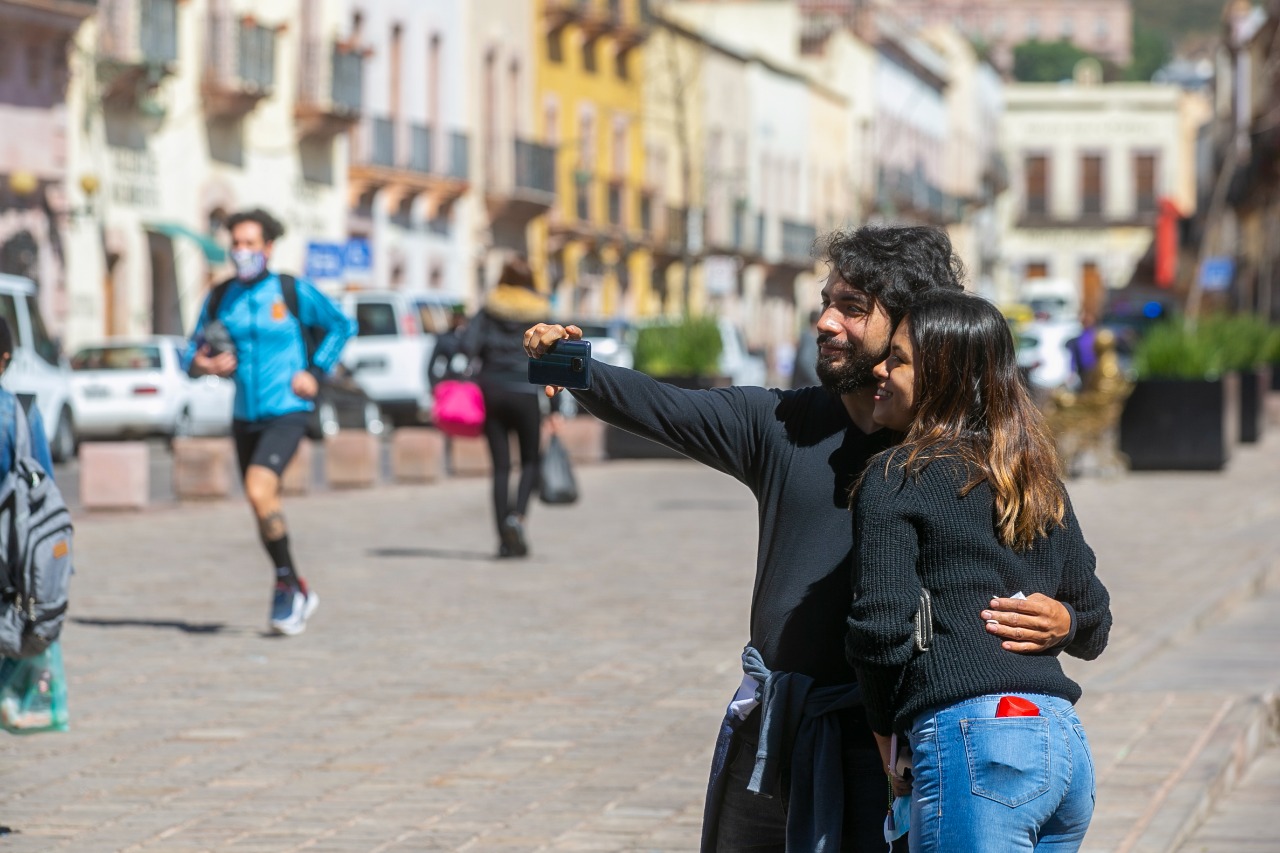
591 248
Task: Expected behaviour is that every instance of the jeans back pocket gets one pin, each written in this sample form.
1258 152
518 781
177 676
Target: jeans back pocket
1008 758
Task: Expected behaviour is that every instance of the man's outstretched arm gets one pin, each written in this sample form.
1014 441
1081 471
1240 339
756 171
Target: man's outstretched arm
717 427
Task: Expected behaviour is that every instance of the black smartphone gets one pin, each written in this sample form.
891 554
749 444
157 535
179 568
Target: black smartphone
567 364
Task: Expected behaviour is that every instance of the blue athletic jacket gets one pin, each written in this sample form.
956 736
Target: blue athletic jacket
270 347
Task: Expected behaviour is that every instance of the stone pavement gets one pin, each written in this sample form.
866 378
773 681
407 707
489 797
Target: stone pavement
442 700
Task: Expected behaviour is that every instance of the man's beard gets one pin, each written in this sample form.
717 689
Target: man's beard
854 371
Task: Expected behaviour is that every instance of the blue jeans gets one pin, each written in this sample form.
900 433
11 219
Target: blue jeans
984 784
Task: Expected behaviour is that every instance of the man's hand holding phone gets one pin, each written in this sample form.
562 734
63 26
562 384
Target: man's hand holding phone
205 364
539 339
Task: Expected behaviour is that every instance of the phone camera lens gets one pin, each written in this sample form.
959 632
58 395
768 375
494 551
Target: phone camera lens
576 365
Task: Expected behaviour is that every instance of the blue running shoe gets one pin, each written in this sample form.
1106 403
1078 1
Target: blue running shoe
291 607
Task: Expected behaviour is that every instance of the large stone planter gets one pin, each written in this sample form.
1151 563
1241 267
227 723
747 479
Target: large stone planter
620 444
1254 387
1180 424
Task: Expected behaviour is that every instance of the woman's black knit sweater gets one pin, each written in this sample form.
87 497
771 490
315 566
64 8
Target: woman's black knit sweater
913 531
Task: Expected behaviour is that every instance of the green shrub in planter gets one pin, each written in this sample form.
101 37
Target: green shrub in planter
1169 351
688 348
1244 340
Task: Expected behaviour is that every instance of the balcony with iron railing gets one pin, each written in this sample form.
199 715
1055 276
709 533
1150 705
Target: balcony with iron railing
62 13
677 230
421 149
520 180
535 167
614 194
597 18
138 47
910 193
797 243
330 88
583 186
239 65
408 159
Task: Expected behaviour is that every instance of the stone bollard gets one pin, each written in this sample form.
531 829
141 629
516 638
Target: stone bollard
417 455
300 471
583 436
469 457
115 475
351 459
202 468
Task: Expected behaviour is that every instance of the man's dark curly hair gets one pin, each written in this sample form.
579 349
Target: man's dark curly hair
895 264
272 229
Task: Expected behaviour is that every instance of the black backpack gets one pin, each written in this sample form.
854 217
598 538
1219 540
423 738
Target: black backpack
311 335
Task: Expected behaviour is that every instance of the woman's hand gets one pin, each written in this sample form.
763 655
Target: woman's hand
901 785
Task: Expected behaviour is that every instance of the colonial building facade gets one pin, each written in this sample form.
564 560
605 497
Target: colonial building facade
1090 164
184 113
37 38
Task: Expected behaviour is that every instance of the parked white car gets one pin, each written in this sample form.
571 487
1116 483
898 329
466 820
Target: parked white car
38 368
124 388
395 337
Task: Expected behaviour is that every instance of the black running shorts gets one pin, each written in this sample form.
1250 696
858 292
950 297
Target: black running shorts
270 443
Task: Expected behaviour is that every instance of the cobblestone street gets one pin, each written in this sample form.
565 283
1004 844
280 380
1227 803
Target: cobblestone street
443 700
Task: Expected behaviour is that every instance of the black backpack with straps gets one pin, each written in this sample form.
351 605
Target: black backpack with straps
311 335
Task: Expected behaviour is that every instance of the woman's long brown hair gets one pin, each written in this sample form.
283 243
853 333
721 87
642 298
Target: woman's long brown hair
971 403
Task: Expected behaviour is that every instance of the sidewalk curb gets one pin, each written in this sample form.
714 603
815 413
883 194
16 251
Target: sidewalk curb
1264 572
1208 774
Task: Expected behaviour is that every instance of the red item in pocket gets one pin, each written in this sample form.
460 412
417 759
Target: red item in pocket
1016 706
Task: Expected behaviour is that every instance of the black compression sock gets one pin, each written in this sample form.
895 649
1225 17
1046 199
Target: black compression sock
278 550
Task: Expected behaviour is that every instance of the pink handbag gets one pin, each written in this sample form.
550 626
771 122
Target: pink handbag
459 408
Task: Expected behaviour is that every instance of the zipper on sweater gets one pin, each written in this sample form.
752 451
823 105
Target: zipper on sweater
251 403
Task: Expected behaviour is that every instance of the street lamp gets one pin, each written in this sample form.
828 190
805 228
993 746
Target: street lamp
89 185
23 183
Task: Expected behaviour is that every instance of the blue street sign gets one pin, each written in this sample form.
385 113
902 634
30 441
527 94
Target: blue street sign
357 256
324 260
1217 273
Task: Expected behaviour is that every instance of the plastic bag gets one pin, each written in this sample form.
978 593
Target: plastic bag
33 693
557 485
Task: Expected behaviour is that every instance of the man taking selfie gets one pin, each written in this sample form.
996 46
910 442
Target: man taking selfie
774 785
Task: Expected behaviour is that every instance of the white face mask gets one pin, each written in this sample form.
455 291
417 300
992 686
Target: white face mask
249 264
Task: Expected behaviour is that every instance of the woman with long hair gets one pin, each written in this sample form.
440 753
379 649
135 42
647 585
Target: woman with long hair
494 340
966 508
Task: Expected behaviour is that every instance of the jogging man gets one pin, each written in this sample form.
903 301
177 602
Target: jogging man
796 767
261 328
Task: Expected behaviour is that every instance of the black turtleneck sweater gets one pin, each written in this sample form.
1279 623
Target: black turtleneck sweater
913 531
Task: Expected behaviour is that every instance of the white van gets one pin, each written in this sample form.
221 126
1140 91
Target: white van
742 366
1051 298
38 368
395 337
